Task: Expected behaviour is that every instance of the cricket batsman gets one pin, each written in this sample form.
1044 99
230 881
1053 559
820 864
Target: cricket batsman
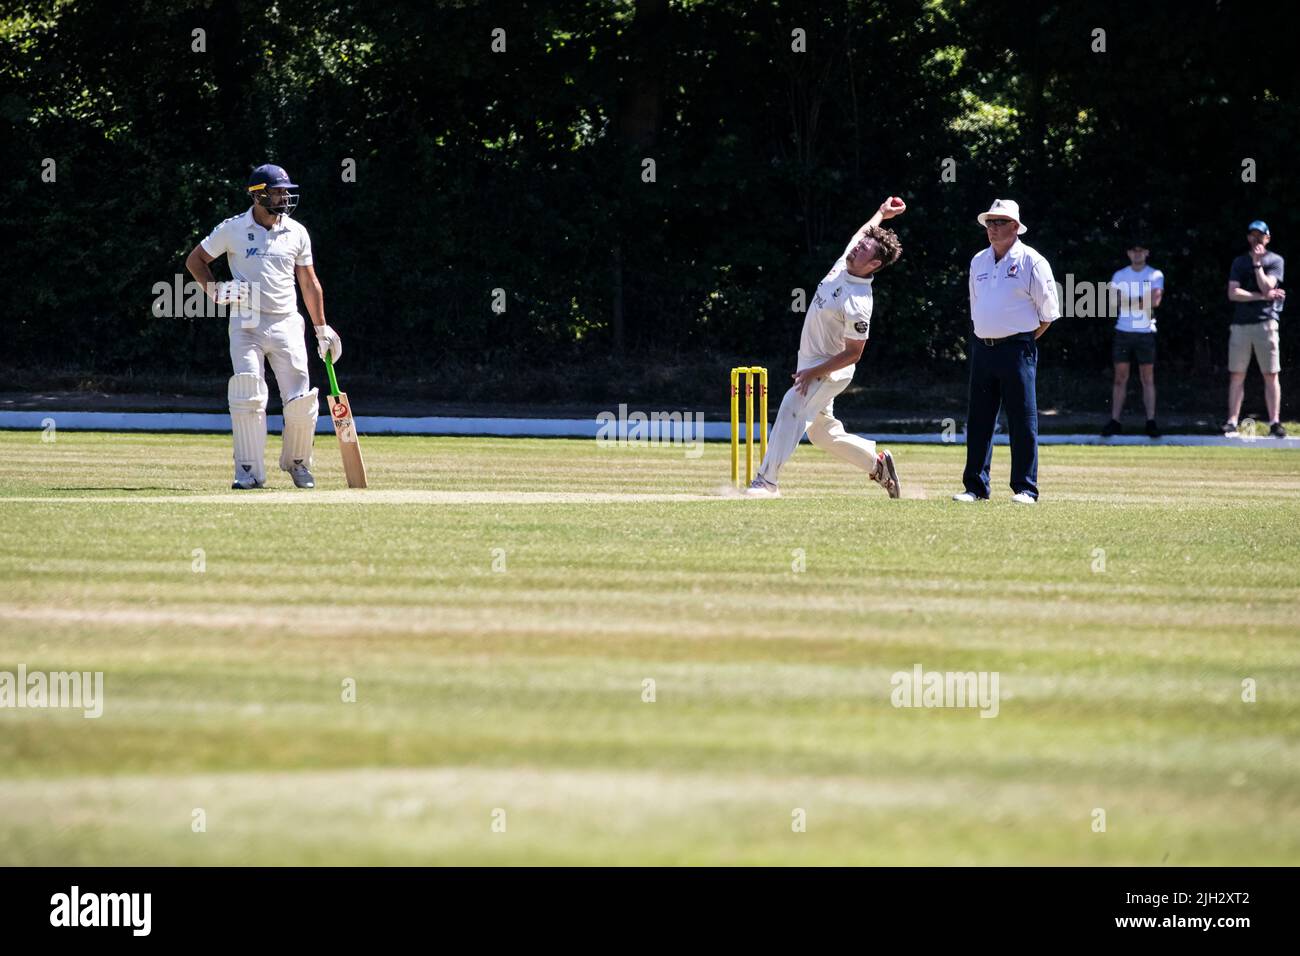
834 334
266 251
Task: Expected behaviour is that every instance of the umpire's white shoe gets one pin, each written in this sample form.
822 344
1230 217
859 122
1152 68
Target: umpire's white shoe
966 497
1021 498
759 488
885 474
301 476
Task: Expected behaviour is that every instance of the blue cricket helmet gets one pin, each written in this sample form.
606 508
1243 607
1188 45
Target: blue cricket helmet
267 177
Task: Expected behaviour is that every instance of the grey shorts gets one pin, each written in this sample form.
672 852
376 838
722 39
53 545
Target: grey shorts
1137 347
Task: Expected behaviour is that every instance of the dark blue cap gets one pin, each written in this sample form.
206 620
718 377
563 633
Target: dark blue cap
1259 224
270 176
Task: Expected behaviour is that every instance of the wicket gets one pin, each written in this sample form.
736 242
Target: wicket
749 373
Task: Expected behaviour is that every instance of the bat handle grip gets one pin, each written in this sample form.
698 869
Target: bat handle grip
334 382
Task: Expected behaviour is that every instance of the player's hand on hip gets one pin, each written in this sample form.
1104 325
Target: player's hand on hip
327 340
233 290
803 379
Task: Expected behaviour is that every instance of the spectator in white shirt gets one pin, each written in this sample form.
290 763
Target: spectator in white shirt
1139 289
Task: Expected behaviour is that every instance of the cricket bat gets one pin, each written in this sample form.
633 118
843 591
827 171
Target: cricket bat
346 430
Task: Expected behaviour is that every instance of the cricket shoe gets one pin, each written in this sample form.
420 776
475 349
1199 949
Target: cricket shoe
885 474
247 483
965 497
1023 498
759 488
301 476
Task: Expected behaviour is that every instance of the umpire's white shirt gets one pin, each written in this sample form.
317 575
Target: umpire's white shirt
264 258
1011 295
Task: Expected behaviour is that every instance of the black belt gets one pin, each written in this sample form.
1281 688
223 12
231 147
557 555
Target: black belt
1017 337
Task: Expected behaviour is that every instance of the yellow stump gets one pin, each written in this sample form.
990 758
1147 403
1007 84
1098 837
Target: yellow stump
735 426
749 426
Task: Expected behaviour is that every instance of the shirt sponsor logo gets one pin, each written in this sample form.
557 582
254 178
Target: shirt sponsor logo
251 252
981 277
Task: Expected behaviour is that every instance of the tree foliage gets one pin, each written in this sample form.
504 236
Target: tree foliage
524 170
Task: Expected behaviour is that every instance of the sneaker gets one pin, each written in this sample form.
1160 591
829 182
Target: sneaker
1023 498
245 484
1153 430
758 488
1112 427
1230 429
966 498
1276 430
885 474
301 476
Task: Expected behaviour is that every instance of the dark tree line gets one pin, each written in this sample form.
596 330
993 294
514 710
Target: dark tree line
525 170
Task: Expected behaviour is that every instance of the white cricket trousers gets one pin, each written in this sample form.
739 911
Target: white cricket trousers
280 339
814 413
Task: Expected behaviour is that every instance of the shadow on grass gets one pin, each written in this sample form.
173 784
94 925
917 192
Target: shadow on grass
116 488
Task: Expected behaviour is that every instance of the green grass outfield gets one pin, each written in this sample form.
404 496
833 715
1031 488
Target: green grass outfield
520 688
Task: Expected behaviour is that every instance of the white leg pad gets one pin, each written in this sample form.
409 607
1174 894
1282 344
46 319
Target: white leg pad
246 393
299 429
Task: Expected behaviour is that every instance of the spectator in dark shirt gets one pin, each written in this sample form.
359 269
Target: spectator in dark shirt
1254 289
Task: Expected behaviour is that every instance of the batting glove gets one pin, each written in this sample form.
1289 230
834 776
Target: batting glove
231 291
327 340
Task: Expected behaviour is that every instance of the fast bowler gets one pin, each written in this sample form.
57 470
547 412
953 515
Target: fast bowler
835 331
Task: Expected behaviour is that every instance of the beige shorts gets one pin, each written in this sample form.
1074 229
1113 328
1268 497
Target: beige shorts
1259 337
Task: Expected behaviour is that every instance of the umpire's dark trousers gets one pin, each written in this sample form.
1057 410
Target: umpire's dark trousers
1003 373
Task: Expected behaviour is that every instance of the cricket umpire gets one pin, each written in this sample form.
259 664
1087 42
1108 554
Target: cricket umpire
1012 302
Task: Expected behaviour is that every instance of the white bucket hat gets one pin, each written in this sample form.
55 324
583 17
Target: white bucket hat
1007 208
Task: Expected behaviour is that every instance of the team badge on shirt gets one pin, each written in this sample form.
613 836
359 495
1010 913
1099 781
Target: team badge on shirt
1012 270
860 327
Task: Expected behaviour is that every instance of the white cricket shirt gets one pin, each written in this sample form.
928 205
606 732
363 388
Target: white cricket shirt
264 258
840 310
1012 295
